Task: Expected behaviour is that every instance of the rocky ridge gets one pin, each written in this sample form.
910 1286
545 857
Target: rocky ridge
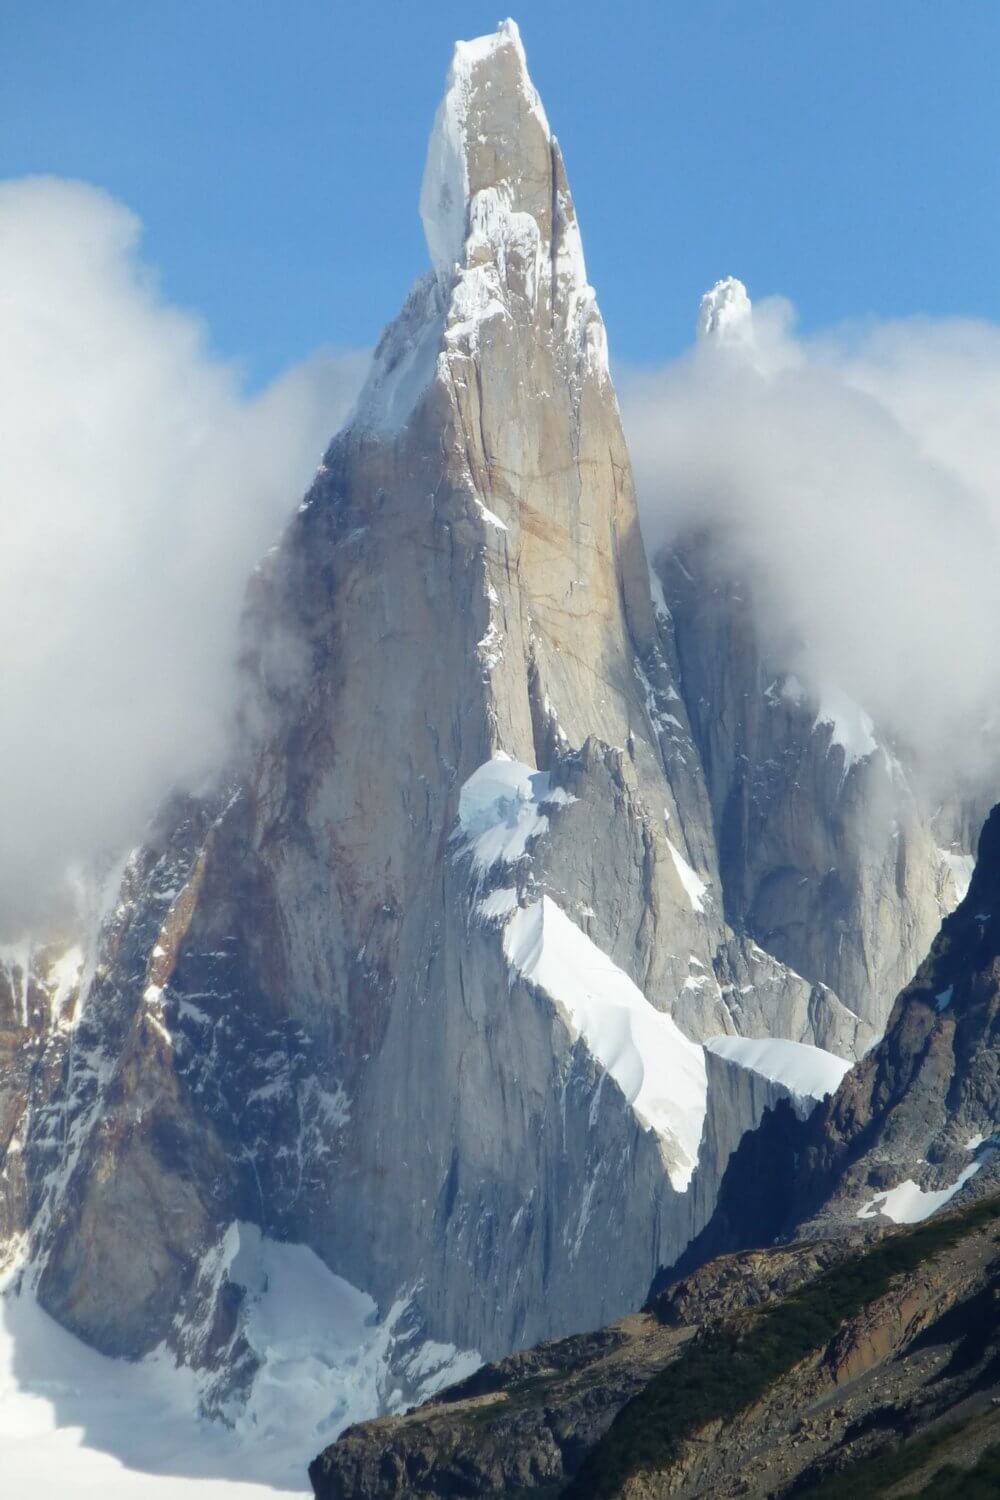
912 1127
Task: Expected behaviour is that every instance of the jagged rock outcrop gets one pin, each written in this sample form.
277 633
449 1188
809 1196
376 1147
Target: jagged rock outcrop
914 1126
923 1108
830 853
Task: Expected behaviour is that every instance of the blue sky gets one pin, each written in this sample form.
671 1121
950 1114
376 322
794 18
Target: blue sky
844 154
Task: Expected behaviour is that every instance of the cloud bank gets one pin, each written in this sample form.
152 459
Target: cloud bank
854 481
138 488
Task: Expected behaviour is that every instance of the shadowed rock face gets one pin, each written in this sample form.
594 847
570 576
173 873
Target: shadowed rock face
925 1104
306 1008
827 847
913 1127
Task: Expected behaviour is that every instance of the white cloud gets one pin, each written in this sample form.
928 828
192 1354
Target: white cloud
138 488
854 481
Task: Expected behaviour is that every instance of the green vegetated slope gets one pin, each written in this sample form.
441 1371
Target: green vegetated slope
886 1469
726 1369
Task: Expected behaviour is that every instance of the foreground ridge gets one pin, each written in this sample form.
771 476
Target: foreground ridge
770 1373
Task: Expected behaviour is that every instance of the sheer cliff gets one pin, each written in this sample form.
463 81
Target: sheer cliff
912 1127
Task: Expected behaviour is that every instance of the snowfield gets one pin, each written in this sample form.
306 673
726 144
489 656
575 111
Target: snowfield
660 1072
808 1073
499 810
73 1422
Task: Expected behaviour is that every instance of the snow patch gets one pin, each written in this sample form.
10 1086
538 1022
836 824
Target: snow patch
850 727
63 978
909 1204
848 724
490 517
657 594
489 649
725 314
498 905
73 1421
660 1072
661 721
500 810
326 1360
961 867
693 884
808 1073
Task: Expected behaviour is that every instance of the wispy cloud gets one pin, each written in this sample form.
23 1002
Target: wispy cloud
139 485
854 481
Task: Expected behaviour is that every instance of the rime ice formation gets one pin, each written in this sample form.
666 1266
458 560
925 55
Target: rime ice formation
502 236
449 190
725 315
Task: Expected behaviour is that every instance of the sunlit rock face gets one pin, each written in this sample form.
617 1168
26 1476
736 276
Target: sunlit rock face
422 985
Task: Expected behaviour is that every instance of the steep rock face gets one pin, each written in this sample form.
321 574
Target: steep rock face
912 1128
830 856
744 1089
332 1002
819 835
39 991
919 1117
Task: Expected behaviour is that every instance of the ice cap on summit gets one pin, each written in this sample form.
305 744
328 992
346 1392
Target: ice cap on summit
502 235
485 75
725 314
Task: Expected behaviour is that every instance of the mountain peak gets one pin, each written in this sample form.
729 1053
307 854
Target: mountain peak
725 314
490 132
502 234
